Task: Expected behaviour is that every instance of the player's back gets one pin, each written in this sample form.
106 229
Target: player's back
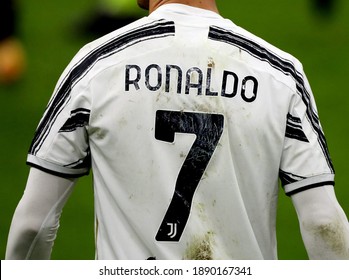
186 134
186 116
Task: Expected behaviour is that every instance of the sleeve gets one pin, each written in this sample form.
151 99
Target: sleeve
306 161
36 219
60 145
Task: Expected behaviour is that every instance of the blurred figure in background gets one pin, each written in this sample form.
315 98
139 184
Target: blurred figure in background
324 7
110 15
12 57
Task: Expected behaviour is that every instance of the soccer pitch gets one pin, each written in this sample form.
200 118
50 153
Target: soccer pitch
48 31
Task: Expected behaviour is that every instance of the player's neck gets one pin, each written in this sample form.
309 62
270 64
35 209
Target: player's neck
207 4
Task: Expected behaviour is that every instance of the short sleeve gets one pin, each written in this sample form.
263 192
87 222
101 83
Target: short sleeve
60 145
306 161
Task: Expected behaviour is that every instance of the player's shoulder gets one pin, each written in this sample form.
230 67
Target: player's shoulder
261 54
266 48
101 41
111 43
140 30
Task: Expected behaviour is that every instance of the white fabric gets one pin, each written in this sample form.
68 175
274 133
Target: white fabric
36 219
324 225
141 107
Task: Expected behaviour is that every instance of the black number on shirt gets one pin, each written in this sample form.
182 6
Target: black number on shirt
208 129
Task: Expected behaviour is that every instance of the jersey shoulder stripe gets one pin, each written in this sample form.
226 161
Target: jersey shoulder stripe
284 65
149 31
289 178
79 118
294 129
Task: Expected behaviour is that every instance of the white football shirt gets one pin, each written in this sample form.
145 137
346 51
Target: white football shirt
187 122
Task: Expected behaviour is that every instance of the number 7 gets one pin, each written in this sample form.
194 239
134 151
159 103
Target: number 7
208 129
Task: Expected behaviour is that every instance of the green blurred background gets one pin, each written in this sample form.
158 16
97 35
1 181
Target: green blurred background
50 35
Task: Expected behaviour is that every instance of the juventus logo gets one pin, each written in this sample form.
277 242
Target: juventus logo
173 230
